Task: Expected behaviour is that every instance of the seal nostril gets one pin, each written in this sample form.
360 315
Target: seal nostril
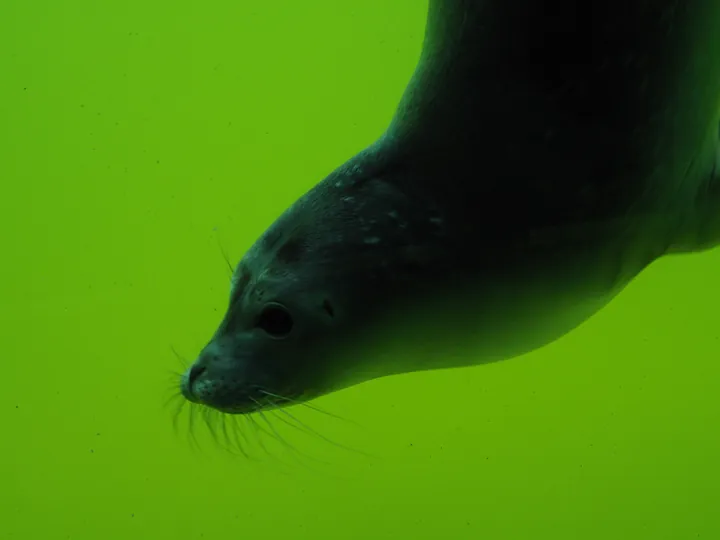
195 372
327 306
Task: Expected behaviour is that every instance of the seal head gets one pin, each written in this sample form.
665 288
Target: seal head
313 296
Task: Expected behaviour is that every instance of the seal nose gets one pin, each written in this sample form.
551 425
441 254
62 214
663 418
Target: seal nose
189 379
195 372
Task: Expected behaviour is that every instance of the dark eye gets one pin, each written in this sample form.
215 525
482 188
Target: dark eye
275 320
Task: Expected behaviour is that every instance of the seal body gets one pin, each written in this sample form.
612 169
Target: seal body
543 154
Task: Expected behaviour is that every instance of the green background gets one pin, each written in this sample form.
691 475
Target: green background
136 138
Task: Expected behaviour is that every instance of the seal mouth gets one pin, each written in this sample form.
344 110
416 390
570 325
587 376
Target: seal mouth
256 404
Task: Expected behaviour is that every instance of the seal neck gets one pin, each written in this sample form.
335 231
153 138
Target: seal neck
502 63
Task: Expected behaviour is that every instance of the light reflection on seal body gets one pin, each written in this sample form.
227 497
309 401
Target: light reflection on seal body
544 153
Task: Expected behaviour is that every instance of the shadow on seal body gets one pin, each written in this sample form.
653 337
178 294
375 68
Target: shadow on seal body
543 154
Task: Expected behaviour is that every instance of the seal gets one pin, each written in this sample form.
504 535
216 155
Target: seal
543 154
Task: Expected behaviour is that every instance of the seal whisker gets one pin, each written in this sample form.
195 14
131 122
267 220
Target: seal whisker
225 257
273 432
183 361
232 439
212 418
222 436
258 430
308 406
296 453
207 414
172 392
176 414
296 424
174 397
228 446
191 426
241 422
301 426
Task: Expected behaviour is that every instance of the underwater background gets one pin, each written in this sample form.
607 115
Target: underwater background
138 140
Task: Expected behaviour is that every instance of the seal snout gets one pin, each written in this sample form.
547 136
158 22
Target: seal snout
189 378
207 377
221 380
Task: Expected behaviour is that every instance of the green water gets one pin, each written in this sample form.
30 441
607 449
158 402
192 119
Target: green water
137 137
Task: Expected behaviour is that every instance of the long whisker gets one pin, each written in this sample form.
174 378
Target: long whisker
276 412
174 398
233 442
273 432
183 361
300 425
240 431
221 436
210 419
225 256
308 405
292 422
207 417
172 392
191 431
176 414
279 438
258 438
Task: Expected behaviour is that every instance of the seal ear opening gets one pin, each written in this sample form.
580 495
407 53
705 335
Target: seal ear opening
327 306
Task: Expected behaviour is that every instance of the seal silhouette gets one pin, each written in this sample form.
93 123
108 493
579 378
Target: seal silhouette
543 154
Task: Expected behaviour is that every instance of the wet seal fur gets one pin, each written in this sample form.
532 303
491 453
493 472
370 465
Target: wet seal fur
544 153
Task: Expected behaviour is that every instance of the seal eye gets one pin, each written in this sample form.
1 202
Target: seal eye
275 320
